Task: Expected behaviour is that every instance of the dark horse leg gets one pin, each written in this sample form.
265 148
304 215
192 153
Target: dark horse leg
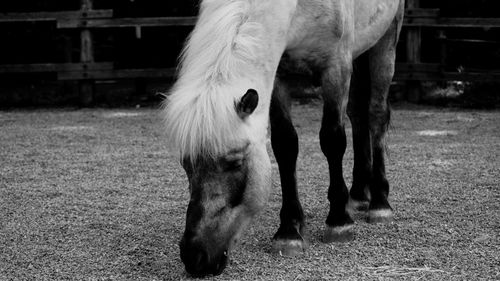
336 80
357 109
369 114
381 67
288 240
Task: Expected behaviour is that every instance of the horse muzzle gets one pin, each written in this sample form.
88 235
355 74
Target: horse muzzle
200 261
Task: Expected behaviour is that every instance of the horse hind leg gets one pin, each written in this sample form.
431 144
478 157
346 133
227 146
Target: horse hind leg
289 239
336 79
357 111
381 60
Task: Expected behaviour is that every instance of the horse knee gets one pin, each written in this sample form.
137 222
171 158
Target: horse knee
333 141
357 115
380 117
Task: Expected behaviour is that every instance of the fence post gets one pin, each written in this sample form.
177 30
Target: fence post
86 56
413 51
441 36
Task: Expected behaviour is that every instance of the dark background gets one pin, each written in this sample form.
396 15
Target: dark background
42 42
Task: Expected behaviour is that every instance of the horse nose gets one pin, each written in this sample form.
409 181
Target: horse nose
197 260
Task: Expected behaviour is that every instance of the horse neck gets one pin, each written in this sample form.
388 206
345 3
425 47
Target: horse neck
275 17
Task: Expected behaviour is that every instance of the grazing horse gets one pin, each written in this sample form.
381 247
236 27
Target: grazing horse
233 82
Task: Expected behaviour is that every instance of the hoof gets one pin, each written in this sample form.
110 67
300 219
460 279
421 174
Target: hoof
340 234
354 206
289 248
380 216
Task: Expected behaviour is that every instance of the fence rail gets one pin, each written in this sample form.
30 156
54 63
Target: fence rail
55 67
126 22
54 16
87 19
436 72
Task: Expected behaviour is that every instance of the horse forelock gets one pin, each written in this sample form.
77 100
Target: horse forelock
200 114
201 125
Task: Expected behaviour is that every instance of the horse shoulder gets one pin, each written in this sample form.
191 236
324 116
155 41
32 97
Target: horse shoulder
315 22
320 32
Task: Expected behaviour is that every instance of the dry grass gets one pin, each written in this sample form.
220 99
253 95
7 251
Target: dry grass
95 195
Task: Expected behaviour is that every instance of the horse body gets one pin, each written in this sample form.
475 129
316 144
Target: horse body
234 76
331 44
321 31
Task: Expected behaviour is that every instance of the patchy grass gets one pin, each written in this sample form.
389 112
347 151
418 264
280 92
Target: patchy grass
96 195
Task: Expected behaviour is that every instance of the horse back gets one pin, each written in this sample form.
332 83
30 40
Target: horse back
336 25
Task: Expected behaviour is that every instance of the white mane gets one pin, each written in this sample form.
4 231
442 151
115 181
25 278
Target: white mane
200 113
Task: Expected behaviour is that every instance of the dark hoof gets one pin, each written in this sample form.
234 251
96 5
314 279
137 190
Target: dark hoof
289 248
339 234
380 216
354 206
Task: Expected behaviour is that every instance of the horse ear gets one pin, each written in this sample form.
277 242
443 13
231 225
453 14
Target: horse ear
247 104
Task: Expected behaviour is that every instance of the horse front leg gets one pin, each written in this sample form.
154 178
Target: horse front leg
289 239
336 81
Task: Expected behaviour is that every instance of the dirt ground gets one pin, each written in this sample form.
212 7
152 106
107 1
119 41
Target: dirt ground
96 195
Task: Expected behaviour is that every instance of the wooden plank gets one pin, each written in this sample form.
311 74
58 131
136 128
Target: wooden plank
86 56
54 16
443 49
126 22
448 76
422 13
413 51
54 67
415 18
103 19
472 41
418 67
118 74
404 72
452 22
436 72
105 71
416 72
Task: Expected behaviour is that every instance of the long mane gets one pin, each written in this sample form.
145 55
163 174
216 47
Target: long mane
199 112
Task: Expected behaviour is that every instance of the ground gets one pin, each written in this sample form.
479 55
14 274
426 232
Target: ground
97 195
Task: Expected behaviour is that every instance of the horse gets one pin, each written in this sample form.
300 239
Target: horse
233 84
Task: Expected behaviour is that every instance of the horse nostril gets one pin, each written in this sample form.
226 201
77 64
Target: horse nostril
195 258
200 262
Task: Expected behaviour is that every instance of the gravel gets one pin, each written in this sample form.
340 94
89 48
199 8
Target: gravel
96 195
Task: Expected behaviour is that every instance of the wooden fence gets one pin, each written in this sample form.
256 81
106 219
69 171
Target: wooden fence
87 71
